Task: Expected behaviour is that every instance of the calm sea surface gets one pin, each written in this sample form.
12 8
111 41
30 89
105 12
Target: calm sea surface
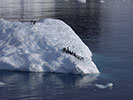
106 27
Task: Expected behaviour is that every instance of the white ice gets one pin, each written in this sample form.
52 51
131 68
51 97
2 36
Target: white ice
100 86
102 1
38 48
82 1
2 83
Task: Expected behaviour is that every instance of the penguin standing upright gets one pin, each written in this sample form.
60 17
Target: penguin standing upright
33 21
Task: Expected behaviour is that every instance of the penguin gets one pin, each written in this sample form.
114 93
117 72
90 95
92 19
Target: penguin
33 21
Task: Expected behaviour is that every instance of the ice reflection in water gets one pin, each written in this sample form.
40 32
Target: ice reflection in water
30 85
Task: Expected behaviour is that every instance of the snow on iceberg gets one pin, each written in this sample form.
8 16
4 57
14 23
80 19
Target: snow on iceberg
38 48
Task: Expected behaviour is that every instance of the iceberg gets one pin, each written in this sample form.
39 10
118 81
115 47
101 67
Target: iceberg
46 46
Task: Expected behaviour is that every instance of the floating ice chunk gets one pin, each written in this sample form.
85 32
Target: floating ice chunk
2 83
82 1
108 85
38 48
102 1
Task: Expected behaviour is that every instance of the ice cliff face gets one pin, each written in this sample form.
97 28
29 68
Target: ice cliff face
38 48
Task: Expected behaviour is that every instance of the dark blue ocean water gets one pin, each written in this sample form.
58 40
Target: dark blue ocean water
106 28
